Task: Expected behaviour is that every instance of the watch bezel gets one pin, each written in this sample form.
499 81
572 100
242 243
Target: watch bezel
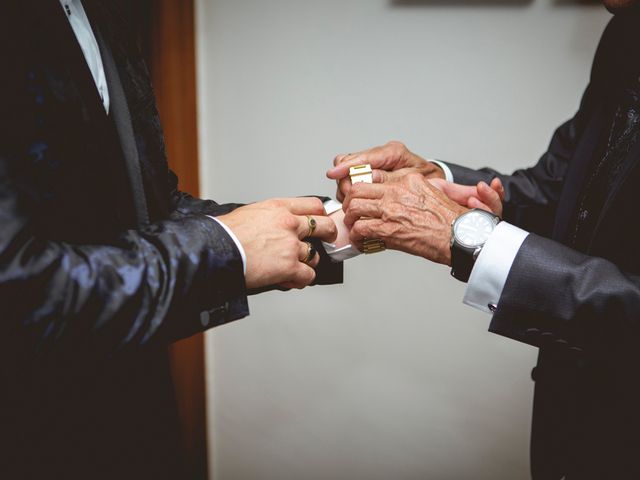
471 247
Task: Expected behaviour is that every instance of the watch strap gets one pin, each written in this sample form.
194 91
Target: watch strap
462 262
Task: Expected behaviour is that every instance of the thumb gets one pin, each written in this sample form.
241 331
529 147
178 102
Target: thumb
439 183
459 193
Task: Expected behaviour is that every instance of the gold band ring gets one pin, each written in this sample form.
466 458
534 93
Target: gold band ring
311 253
361 174
312 223
373 245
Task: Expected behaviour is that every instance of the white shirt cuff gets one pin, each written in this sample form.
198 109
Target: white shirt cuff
492 267
448 175
236 241
338 254
332 206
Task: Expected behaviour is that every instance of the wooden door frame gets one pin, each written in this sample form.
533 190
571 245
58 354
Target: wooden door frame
170 45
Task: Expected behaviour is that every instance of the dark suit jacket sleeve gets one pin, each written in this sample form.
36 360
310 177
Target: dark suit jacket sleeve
184 204
327 271
532 194
148 286
555 296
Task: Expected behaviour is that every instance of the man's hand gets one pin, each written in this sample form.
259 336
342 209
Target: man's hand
389 162
271 234
486 197
410 215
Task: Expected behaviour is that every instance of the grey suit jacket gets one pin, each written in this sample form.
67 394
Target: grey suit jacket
582 308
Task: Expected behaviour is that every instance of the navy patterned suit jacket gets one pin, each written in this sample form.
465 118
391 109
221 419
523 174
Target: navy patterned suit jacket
92 290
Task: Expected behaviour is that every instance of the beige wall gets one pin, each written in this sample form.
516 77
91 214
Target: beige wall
388 377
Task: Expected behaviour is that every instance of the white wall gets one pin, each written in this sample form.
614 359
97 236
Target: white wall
389 376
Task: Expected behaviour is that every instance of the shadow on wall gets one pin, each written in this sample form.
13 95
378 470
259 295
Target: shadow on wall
476 3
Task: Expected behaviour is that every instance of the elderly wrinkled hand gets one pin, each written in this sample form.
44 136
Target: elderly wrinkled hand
389 162
409 214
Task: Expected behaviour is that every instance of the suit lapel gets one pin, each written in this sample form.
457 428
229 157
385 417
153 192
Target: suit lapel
113 22
66 51
578 170
632 159
70 54
122 118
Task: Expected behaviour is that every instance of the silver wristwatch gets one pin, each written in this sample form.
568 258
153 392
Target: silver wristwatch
469 232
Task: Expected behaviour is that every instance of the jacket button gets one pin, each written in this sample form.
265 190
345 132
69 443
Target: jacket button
532 332
205 319
534 374
562 343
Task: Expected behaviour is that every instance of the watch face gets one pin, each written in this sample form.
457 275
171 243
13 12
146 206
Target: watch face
473 229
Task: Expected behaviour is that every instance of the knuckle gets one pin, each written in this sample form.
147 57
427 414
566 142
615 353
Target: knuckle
318 205
290 267
289 221
397 147
391 211
356 189
292 245
310 275
275 203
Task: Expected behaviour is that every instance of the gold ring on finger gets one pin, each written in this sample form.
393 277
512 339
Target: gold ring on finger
311 253
373 245
361 174
312 223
